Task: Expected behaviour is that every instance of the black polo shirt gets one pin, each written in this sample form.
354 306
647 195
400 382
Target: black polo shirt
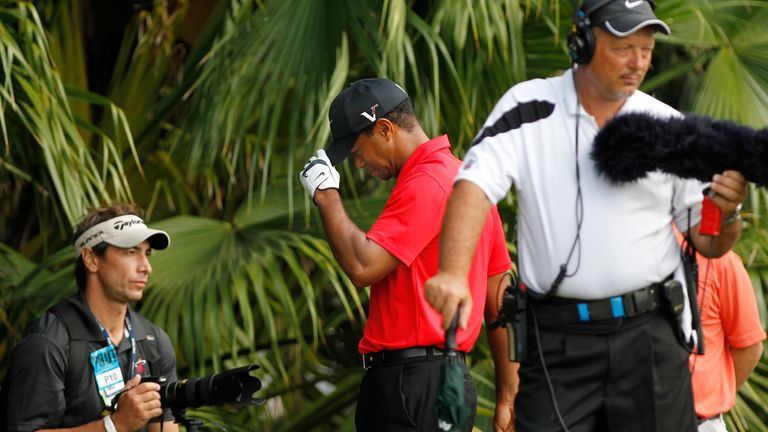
37 374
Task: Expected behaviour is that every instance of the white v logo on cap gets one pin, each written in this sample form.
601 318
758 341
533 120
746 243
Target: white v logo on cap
372 115
632 4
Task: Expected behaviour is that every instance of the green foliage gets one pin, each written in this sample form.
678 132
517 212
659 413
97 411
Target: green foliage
221 126
38 126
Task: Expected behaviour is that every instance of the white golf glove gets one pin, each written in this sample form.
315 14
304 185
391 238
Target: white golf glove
318 173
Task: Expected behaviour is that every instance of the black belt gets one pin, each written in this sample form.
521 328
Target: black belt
407 354
559 310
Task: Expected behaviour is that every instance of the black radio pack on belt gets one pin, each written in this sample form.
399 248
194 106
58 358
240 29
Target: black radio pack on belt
673 297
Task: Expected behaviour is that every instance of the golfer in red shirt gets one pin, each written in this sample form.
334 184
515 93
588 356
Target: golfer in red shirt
403 340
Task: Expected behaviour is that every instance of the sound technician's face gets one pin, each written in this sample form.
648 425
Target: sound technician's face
619 64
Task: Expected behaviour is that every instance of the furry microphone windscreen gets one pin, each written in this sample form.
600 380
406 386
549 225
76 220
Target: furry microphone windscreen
631 145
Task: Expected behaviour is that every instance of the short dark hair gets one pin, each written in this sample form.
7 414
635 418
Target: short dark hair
94 217
402 115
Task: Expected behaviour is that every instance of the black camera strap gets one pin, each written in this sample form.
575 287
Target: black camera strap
78 343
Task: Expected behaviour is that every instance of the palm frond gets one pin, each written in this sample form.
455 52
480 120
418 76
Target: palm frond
239 287
34 107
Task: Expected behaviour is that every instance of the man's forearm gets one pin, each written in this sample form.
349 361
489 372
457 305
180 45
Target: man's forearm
744 361
462 225
363 260
506 371
507 380
717 246
342 234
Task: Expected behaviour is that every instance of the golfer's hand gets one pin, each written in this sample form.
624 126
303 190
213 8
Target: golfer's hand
446 293
731 190
318 173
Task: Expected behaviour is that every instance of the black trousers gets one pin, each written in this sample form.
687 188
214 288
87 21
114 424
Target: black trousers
629 376
401 396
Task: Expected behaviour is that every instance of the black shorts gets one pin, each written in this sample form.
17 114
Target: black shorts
401 396
633 378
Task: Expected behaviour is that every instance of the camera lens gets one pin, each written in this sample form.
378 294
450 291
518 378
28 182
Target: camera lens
234 386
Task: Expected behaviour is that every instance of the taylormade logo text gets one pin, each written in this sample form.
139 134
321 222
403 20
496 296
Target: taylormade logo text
120 225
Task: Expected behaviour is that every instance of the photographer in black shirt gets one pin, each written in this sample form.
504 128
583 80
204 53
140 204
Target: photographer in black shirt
73 361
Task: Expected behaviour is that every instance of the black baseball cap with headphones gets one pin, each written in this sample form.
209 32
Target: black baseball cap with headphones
619 17
356 108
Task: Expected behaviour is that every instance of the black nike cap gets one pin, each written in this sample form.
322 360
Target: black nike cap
356 108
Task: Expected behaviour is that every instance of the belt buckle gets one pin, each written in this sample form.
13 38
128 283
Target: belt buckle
653 296
642 300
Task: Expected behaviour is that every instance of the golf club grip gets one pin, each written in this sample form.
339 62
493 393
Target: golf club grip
450 334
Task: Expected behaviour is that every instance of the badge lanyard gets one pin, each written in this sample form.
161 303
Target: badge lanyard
106 365
132 338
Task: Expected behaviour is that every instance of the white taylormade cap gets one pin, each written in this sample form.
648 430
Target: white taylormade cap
124 231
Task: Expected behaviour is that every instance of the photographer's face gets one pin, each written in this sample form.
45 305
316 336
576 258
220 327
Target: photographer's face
122 273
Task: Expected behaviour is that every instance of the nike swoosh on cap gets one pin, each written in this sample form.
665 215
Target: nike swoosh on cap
632 4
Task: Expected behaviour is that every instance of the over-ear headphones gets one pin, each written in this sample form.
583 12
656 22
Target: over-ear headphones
581 40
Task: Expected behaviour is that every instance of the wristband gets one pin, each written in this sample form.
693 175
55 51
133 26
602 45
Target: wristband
736 215
109 426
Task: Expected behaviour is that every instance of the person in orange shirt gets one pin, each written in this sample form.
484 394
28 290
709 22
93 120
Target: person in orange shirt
733 337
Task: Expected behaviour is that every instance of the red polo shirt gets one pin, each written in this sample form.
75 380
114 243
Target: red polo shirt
409 228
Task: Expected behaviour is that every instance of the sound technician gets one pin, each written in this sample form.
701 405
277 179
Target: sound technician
608 324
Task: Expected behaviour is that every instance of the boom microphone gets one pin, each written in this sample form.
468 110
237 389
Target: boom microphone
631 145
